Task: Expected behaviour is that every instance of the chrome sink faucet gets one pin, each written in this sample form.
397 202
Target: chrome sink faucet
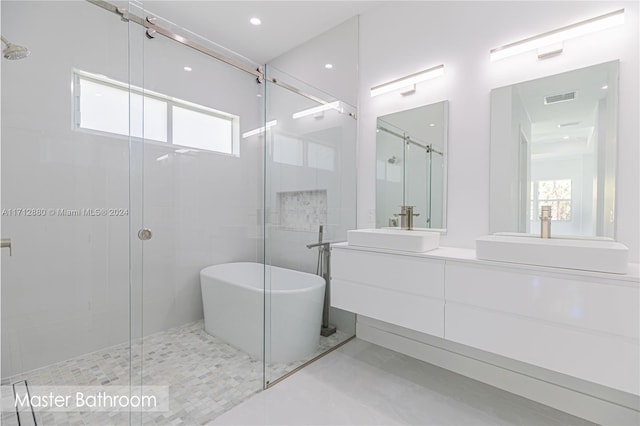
545 222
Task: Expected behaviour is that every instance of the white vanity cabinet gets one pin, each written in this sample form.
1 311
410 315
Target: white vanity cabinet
399 289
583 326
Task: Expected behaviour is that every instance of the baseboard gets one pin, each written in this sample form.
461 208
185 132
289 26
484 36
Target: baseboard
582 399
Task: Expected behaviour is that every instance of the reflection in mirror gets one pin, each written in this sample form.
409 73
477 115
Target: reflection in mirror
411 153
553 143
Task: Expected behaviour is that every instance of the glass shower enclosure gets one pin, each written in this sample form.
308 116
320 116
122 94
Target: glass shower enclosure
132 164
309 198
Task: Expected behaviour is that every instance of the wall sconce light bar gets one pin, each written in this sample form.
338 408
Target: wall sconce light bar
559 35
408 81
315 110
259 130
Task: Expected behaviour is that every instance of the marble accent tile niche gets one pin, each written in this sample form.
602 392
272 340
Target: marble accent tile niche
302 210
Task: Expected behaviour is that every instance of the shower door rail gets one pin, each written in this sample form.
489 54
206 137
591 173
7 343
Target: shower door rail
150 23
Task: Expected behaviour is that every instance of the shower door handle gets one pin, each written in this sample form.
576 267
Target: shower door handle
145 234
6 243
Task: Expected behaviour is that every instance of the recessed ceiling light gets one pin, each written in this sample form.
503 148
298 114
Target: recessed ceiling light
432 125
605 87
566 137
328 66
187 68
255 21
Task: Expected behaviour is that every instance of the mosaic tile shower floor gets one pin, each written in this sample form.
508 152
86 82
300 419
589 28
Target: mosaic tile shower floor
206 377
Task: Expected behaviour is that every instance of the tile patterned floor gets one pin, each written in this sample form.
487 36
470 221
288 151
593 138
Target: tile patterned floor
206 377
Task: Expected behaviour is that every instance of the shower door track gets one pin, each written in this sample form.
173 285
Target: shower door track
153 29
426 147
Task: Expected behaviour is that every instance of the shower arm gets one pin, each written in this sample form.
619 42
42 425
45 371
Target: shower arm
4 40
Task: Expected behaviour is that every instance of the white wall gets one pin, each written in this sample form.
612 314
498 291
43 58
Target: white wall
337 46
66 289
400 38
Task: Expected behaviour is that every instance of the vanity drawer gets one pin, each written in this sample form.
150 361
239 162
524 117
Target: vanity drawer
584 302
406 310
407 274
597 357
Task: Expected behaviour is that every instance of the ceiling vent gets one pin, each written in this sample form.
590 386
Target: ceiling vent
563 97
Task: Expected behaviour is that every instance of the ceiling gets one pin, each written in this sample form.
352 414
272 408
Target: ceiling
285 24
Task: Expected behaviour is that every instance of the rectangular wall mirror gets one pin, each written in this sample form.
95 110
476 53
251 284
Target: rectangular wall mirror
411 169
553 143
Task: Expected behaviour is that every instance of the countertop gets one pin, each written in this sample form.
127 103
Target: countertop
466 255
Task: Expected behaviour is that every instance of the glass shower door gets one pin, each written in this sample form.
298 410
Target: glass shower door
199 170
309 198
65 200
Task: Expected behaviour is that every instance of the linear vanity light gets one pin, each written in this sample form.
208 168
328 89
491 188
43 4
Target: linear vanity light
408 81
259 129
551 41
315 110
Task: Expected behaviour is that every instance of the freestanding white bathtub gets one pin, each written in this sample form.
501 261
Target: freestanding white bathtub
234 303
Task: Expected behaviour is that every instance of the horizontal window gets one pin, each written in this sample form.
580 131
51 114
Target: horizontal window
295 151
109 106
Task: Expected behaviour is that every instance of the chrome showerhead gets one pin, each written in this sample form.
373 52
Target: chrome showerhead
14 51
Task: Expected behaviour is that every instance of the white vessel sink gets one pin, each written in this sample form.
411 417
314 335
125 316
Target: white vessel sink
394 239
583 254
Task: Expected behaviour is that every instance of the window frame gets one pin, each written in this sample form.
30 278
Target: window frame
537 202
170 102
